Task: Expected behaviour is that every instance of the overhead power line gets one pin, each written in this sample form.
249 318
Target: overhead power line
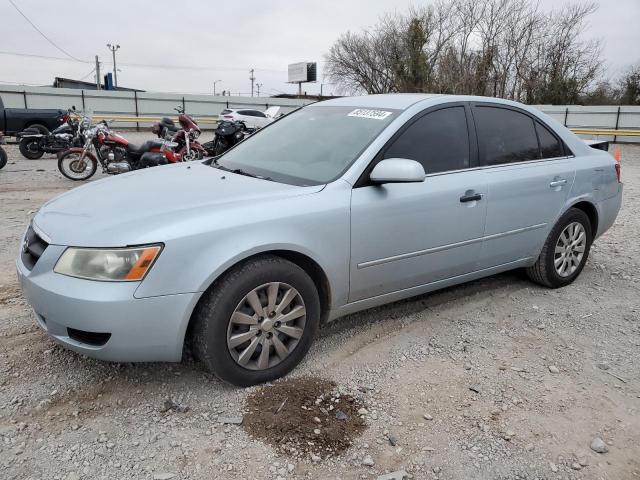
148 65
44 36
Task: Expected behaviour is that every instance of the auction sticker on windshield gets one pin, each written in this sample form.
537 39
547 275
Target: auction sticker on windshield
367 113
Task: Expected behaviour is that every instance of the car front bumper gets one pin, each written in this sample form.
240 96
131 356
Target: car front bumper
103 319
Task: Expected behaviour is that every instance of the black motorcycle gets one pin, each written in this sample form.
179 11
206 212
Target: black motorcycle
3 154
34 143
227 134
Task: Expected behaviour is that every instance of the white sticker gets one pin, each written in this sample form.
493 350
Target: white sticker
366 113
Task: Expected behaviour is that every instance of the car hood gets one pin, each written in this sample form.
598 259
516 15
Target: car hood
153 205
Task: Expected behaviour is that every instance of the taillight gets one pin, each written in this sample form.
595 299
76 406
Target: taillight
617 167
227 116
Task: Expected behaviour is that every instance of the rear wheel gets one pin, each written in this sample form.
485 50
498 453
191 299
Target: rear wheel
565 251
30 148
257 322
73 166
3 157
41 128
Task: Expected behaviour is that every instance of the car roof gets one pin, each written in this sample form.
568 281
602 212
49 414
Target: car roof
403 101
398 101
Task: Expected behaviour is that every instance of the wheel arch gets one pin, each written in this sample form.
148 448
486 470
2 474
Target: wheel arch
591 211
304 261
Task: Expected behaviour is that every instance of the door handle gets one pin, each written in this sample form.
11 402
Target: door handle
471 197
558 183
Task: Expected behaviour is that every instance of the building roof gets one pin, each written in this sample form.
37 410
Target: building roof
60 82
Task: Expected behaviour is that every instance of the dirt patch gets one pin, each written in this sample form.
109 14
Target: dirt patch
10 294
303 416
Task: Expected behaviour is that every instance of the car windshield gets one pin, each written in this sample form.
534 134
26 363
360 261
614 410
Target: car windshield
311 146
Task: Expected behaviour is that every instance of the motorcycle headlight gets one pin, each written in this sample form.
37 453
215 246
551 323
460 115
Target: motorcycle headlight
108 265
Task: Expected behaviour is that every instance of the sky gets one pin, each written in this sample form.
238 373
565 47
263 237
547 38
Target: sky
173 46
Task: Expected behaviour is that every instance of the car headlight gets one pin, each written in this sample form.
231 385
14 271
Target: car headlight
109 265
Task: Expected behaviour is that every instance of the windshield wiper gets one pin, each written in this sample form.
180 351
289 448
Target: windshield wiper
239 171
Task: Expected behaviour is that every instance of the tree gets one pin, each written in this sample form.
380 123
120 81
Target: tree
630 86
505 48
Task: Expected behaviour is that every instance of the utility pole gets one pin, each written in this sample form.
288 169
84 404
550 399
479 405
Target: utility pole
113 49
214 87
253 79
97 73
258 86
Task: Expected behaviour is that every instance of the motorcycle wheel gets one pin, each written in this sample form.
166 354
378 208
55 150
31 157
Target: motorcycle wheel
30 148
195 155
73 167
3 157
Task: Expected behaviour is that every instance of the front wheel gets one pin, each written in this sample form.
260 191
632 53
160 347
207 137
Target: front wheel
257 322
74 166
565 251
190 156
30 148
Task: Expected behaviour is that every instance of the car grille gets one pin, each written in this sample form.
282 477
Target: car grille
33 247
90 338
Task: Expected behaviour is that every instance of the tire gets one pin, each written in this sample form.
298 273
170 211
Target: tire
28 151
66 168
213 329
3 158
548 268
41 128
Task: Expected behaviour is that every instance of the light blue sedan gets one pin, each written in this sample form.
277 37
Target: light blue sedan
340 206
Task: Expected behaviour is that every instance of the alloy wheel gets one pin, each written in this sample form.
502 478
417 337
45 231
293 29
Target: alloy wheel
570 249
266 326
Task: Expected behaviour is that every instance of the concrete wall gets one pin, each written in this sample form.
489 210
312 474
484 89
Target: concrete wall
131 103
160 104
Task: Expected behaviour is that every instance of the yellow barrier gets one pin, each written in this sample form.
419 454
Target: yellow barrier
606 131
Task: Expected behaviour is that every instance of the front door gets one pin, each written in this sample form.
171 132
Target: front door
405 235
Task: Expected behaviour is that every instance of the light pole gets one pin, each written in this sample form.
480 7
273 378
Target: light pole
113 49
214 86
258 87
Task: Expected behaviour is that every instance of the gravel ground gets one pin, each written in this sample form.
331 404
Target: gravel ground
498 379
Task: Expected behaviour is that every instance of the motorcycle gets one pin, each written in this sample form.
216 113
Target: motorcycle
227 134
186 137
114 153
165 128
34 144
3 154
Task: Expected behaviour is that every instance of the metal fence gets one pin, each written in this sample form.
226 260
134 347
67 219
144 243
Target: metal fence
594 121
105 104
139 109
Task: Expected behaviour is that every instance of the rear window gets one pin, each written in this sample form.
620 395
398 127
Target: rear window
550 147
225 112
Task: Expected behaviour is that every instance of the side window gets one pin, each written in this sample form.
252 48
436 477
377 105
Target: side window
438 140
245 113
550 147
505 136
258 113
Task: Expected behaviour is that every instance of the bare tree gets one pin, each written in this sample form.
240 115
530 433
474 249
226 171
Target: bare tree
505 48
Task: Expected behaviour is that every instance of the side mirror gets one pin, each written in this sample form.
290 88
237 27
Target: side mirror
397 170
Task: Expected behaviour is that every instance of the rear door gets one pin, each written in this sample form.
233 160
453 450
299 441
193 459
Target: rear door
405 235
529 177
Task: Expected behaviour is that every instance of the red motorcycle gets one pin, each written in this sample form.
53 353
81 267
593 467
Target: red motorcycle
114 153
186 137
